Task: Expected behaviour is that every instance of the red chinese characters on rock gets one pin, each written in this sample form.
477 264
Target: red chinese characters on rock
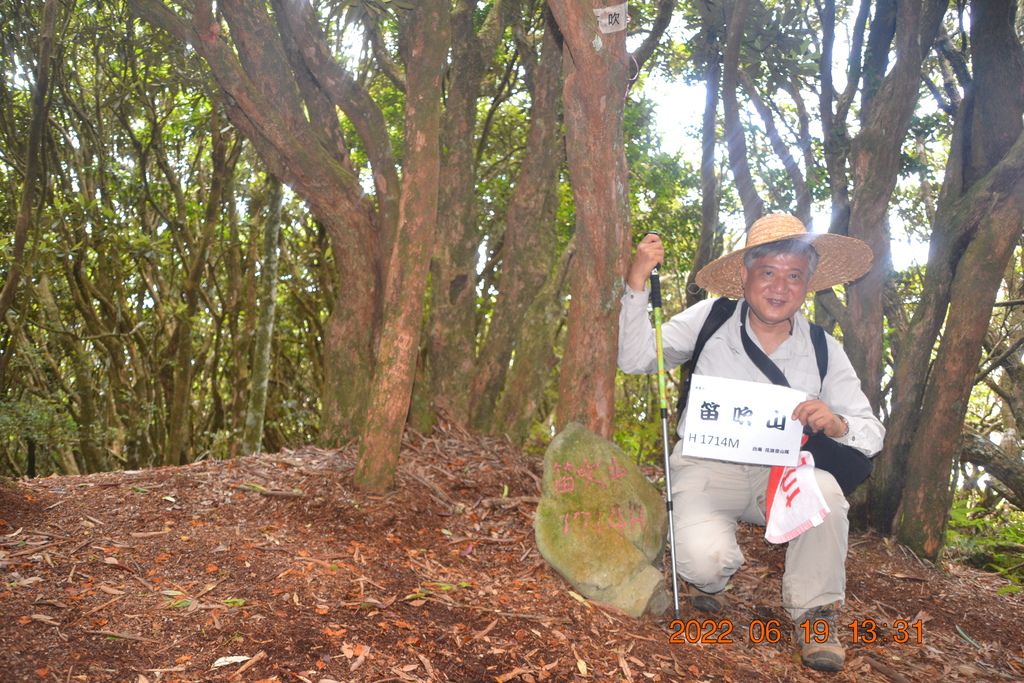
585 472
584 522
569 477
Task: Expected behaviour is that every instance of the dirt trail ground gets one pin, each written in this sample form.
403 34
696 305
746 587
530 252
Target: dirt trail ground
274 568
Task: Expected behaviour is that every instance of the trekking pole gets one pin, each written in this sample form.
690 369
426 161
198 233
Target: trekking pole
662 395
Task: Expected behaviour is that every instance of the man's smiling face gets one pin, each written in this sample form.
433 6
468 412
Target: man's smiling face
775 286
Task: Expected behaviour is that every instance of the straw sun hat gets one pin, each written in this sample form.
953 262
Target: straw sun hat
842 259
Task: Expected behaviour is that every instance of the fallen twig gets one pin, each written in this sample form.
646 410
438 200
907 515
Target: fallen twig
509 502
30 551
432 486
211 587
94 610
885 670
282 494
255 658
481 634
125 636
49 534
516 615
485 539
141 580
149 534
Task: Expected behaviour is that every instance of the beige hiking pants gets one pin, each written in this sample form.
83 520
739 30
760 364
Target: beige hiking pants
710 496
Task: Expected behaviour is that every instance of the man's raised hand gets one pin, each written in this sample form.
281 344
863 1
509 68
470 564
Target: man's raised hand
650 253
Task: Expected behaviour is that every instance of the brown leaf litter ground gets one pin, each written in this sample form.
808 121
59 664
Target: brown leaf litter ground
275 568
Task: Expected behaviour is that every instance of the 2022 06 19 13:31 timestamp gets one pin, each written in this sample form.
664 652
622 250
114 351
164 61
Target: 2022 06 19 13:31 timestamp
864 631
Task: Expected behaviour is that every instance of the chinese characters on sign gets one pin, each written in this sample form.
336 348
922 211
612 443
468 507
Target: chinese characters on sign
612 19
739 421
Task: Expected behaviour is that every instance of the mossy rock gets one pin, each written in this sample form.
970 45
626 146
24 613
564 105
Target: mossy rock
601 524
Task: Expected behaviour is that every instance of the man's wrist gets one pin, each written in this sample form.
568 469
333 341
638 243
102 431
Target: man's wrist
845 426
637 281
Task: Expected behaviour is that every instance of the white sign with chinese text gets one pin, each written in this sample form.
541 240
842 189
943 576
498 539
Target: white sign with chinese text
745 422
612 19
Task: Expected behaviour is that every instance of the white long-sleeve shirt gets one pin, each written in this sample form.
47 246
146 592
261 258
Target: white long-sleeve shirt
723 356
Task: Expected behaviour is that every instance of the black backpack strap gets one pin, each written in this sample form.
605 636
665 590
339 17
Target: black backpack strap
721 310
820 350
758 357
770 369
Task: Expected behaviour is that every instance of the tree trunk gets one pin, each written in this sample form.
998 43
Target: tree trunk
932 455
594 99
753 207
252 436
983 196
424 45
535 357
961 214
530 242
781 149
835 138
178 448
264 100
875 164
1000 462
84 400
451 340
33 167
709 246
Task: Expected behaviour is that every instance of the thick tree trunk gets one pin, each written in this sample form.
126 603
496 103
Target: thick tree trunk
424 44
962 210
264 101
932 455
528 254
349 360
535 358
983 197
252 434
594 99
875 164
451 341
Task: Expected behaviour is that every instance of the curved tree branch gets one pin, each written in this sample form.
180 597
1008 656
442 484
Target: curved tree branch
658 28
365 115
1005 466
796 176
385 63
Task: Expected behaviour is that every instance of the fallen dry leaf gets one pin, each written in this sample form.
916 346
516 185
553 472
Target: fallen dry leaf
46 619
234 659
361 654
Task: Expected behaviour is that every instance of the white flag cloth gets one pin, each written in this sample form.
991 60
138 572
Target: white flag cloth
795 503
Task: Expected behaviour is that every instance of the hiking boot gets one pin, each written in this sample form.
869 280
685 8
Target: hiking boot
706 602
828 655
